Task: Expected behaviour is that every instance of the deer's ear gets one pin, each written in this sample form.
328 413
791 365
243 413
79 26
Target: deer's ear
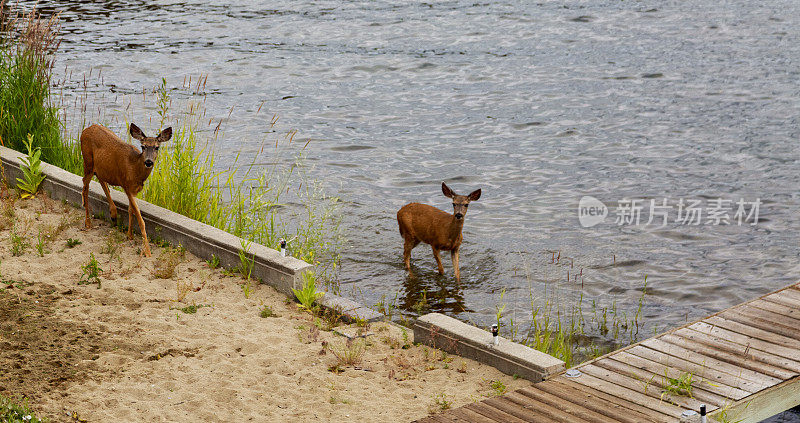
165 135
447 191
475 195
136 132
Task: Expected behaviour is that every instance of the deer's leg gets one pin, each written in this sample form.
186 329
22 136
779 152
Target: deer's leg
112 208
407 247
132 202
86 179
438 259
454 256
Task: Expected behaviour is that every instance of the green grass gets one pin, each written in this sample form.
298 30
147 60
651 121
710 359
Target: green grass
244 199
266 312
91 272
440 403
41 244
246 263
26 102
12 411
498 387
308 294
18 243
562 325
677 386
192 309
214 262
347 353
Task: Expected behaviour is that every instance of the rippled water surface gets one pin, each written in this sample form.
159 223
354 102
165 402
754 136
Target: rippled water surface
538 104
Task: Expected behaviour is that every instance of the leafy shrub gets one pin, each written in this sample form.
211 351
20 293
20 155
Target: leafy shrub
32 175
308 295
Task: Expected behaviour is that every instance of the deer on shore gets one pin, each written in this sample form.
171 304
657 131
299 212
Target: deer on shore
437 228
120 164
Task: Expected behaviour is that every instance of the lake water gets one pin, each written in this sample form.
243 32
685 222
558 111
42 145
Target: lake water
537 104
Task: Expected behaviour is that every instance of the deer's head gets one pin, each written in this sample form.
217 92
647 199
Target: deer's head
460 202
150 144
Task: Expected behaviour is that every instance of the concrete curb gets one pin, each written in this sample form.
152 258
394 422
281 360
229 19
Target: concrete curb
457 337
283 273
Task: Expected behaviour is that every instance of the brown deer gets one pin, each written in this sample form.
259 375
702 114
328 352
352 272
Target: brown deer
120 164
441 230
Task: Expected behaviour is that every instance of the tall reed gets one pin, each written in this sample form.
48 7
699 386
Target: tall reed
28 44
561 323
246 200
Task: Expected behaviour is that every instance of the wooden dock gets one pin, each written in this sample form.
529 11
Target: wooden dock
744 363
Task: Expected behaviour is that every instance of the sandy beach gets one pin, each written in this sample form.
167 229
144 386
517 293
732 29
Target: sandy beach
130 348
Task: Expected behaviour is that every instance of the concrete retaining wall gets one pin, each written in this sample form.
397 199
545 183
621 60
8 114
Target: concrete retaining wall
457 337
283 273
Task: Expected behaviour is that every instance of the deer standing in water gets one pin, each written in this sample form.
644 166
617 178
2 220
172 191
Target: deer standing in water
118 163
441 230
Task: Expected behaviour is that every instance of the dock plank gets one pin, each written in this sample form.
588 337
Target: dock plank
495 414
759 319
598 401
630 395
782 299
675 350
742 339
777 308
730 358
521 412
652 396
573 409
765 404
521 406
745 352
704 371
753 332
469 415
792 292
723 393
787 321
655 384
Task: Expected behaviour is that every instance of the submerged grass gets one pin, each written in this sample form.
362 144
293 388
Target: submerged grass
564 326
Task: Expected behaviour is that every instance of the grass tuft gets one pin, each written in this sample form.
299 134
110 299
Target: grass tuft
18 243
348 353
168 261
440 403
677 386
17 411
91 272
266 312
